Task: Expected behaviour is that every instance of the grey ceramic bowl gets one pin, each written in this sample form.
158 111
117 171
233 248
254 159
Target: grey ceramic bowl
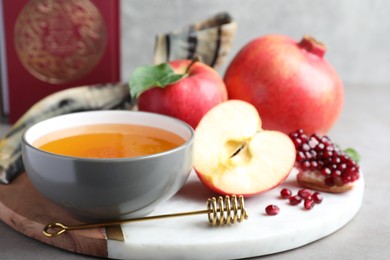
108 188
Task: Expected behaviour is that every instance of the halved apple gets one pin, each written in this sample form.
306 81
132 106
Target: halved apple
234 155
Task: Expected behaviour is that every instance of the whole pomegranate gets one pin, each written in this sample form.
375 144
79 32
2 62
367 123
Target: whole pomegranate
290 83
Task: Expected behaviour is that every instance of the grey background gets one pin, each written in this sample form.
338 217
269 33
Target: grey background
356 32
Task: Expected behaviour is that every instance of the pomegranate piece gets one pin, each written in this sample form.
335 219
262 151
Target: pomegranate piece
322 165
272 210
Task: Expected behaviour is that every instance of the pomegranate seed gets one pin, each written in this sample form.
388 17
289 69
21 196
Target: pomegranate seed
272 210
316 137
342 167
305 165
313 165
300 156
320 147
336 173
317 197
313 142
327 154
285 193
336 160
297 142
344 158
346 178
295 200
305 147
309 204
308 155
326 171
304 193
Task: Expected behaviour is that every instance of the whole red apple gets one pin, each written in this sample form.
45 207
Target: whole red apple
290 83
198 89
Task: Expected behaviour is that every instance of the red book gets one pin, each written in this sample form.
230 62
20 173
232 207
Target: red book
51 45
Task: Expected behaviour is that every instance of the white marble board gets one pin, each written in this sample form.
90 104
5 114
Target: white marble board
192 237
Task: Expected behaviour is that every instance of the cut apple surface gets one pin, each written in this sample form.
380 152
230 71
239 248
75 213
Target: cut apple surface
234 155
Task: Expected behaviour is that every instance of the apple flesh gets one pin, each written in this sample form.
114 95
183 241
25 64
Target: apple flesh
234 155
189 98
290 83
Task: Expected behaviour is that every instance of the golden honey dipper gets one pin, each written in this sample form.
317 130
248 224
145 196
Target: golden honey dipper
222 211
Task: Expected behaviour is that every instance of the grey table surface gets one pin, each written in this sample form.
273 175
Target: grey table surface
364 125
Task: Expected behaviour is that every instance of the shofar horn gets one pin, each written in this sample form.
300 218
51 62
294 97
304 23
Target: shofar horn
210 39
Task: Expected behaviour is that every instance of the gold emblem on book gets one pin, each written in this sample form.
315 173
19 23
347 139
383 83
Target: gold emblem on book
59 41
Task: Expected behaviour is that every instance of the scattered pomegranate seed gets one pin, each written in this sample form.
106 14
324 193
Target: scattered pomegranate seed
285 193
309 197
304 193
295 200
317 197
308 204
272 210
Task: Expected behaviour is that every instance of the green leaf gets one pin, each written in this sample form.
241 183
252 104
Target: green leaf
149 76
353 154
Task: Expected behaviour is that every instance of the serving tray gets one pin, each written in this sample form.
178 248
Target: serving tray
191 237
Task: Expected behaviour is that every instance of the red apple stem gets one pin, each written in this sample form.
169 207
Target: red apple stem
195 59
311 45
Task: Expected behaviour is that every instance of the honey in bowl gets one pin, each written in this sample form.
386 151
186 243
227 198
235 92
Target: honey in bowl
109 141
